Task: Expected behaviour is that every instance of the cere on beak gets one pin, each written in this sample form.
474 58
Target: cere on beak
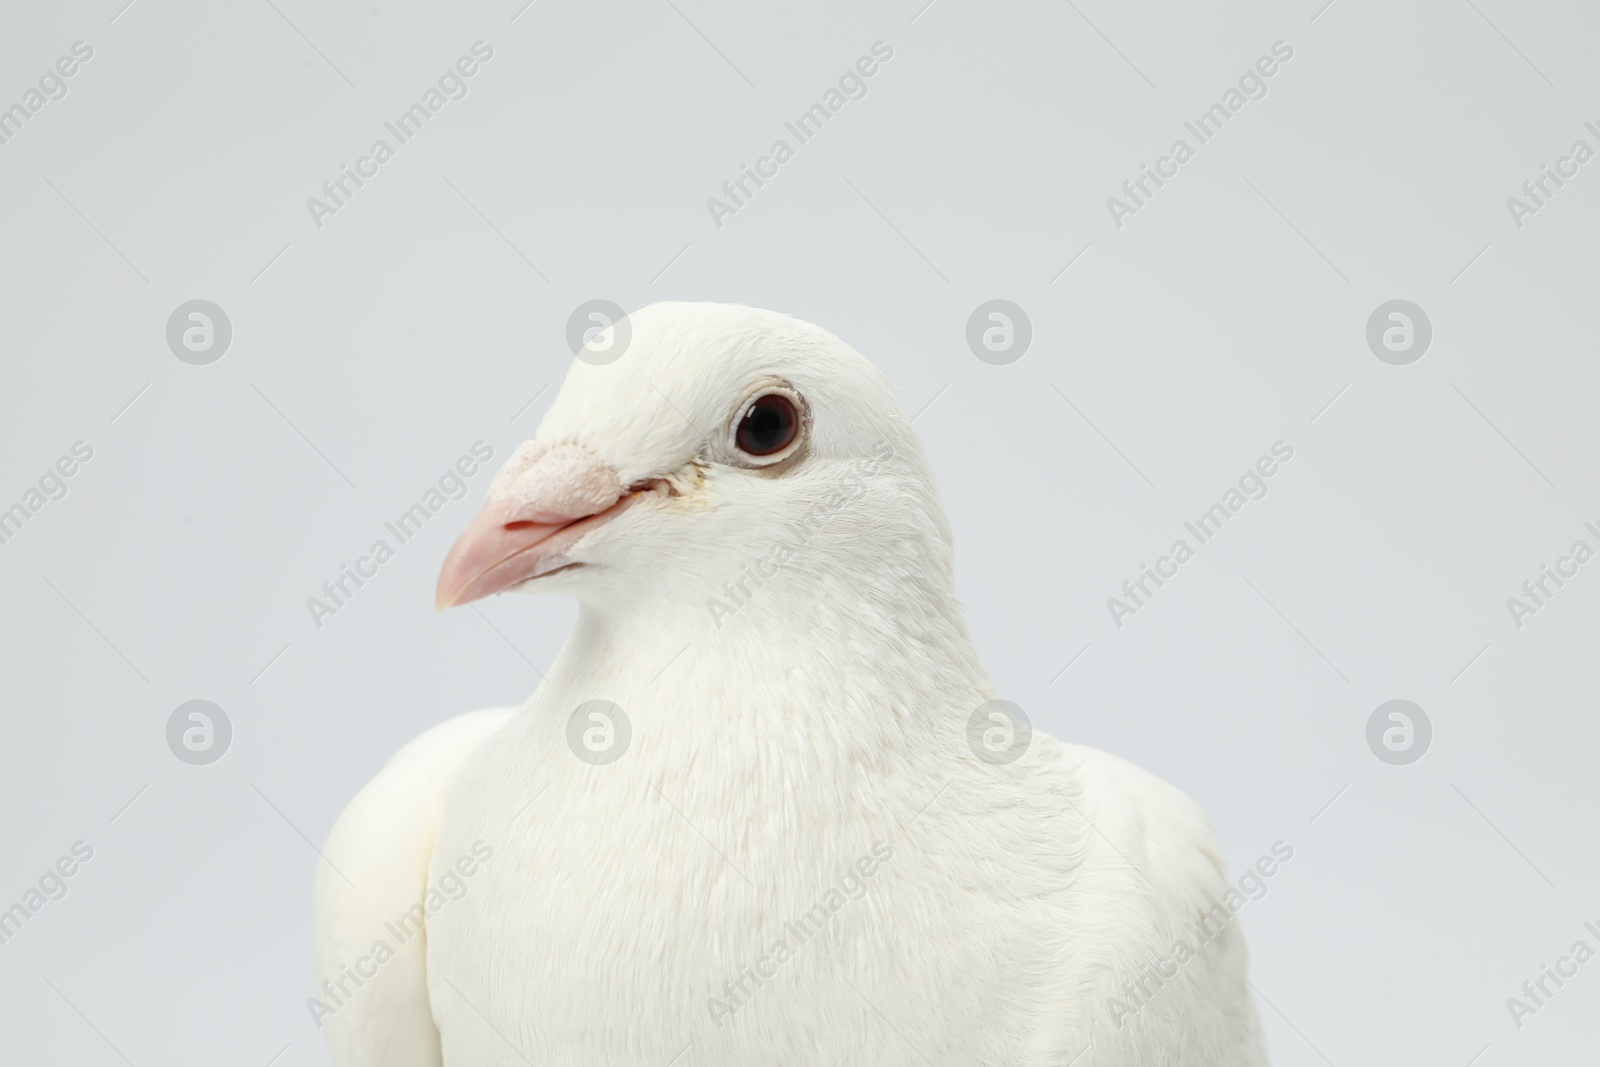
541 503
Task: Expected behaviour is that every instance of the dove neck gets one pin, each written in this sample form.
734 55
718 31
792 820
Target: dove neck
802 648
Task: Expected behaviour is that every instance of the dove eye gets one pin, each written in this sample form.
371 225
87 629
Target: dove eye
769 424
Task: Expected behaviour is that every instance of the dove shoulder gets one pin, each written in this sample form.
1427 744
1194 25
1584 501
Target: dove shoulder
369 918
1157 960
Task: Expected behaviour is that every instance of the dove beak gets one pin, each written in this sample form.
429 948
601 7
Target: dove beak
499 551
543 501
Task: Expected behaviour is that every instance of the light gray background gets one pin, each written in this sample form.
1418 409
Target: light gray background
1226 315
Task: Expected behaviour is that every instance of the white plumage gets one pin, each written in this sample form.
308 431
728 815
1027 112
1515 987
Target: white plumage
799 858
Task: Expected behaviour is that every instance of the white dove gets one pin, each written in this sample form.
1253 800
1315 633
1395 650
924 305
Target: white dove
764 808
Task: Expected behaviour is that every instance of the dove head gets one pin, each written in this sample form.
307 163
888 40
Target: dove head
726 454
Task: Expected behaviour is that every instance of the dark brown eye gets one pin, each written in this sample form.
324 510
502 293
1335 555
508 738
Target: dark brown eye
769 425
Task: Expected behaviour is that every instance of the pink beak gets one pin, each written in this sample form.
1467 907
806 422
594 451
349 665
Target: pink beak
541 503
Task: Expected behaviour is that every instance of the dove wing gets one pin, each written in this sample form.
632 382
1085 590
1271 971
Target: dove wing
1158 881
373 1004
